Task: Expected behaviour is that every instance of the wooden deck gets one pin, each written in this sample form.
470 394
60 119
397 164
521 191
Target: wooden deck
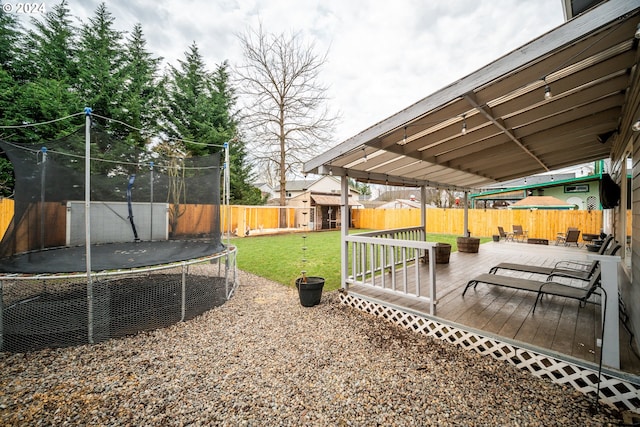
559 324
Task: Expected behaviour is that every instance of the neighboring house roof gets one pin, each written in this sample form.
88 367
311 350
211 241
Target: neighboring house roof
512 192
529 181
371 204
306 184
332 200
398 193
401 203
262 185
299 185
541 202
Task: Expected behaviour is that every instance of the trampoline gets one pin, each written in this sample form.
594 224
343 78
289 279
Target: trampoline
108 256
109 240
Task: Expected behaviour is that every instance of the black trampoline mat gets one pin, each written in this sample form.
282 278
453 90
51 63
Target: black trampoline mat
111 256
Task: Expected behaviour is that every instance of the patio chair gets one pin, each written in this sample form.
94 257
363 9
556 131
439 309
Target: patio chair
568 238
541 288
519 234
504 235
568 269
581 294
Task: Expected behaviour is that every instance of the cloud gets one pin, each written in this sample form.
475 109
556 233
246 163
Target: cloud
381 56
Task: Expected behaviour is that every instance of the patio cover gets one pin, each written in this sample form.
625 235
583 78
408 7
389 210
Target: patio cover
512 130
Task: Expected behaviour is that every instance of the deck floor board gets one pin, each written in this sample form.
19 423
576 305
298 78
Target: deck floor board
558 324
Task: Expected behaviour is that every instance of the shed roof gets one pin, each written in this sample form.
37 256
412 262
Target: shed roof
512 130
541 202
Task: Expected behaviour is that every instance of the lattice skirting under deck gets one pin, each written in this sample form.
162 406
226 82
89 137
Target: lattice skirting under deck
615 391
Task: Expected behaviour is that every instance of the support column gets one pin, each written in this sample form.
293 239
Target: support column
466 215
344 230
423 209
611 336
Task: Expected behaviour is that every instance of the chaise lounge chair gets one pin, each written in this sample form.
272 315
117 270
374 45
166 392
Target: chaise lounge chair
568 269
581 294
541 288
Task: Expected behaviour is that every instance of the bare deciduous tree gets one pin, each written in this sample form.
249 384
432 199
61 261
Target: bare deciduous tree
286 113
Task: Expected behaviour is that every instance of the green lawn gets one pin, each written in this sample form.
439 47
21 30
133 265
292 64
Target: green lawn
279 257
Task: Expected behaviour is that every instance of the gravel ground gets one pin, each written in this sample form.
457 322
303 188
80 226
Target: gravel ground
261 359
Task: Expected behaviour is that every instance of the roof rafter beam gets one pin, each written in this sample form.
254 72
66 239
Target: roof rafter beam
471 99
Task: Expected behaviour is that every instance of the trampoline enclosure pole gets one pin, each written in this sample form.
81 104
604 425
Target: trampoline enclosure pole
87 221
151 202
183 296
1 314
227 190
43 174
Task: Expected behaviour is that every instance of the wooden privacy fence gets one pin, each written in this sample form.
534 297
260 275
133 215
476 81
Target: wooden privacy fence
242 218
543 224
193 220
6 213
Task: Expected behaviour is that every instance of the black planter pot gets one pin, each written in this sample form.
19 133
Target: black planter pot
310 292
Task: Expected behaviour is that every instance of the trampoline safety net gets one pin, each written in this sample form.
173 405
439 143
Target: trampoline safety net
156 255
136 197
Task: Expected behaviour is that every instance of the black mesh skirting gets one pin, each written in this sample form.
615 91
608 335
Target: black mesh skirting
56 314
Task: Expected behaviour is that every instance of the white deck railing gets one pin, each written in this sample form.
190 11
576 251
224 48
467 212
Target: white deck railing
389 261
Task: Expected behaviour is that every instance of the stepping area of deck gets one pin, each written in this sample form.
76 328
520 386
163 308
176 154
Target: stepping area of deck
558 324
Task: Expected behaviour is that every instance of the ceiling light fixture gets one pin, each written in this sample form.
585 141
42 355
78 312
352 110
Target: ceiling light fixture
464 124
637 34
364 155
547 89
636 126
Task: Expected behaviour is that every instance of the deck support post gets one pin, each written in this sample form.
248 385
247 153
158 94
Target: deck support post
344 231
466 215
611 337
423 210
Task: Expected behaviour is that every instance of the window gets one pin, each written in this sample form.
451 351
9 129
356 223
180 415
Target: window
577 188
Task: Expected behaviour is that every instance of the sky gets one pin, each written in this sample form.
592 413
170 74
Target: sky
381 56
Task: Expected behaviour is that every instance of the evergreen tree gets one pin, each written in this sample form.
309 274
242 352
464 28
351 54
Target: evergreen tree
200 109
192 109
10 32
9 35
55 69
141 86
101 77
50 46
242 191
44 66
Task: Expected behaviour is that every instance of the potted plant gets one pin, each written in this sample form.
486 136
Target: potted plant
309 287
442 252
467 243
